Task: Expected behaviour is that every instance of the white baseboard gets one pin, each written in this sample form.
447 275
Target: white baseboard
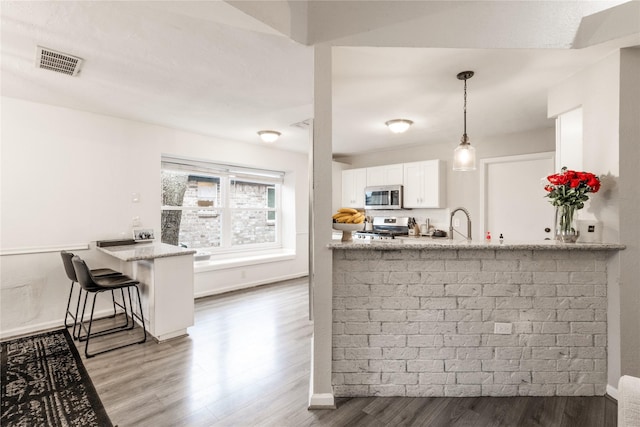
247 285
319 400
45 326
322 401
612 391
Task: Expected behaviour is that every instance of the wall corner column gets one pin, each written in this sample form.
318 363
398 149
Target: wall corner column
320 210
629 211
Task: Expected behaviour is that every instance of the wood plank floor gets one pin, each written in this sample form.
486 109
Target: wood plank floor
246 363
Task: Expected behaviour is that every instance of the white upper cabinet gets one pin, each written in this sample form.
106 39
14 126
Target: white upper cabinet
353 183
385 175
424 184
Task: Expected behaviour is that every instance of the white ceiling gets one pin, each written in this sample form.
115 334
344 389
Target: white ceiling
206 67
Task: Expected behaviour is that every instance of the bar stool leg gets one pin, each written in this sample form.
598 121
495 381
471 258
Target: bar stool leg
76 320
124 307
81 322
68 313
141 317
93 306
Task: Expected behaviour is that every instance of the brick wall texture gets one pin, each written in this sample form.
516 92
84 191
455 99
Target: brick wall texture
421 322
203 228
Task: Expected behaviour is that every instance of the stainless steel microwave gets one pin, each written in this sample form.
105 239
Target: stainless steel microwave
383 197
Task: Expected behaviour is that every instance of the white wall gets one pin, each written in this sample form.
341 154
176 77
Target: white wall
67 178
336 184
463 188
569 140
609 94
596 90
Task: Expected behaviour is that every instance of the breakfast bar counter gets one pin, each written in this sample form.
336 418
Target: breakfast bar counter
145 251
435 317
428 243
165 273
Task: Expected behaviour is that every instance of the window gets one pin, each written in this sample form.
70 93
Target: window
271 204
219 207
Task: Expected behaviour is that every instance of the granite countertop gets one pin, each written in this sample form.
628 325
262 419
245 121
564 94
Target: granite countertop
145 251
426 243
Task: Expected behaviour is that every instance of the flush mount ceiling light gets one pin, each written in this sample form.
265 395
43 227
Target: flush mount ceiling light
269 136
398 125
464 156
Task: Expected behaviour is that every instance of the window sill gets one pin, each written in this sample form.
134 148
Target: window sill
241 260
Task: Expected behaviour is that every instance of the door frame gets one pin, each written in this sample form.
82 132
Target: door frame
484 168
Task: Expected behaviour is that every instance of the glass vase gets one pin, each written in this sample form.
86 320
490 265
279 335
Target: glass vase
566 224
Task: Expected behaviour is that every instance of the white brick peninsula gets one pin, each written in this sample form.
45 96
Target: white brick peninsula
417 318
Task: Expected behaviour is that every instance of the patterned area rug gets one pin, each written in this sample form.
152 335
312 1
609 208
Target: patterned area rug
45 384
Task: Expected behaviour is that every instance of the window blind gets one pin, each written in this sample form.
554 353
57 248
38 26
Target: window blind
218 169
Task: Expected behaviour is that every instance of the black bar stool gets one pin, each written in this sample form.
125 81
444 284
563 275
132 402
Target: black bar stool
71 274
95 285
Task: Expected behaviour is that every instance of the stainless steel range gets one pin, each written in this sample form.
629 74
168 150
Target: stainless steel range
385 228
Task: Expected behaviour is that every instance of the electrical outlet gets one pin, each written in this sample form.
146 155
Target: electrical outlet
456 222
502 328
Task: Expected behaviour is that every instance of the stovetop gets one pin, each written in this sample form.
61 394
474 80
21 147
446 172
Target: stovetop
385 228
377 235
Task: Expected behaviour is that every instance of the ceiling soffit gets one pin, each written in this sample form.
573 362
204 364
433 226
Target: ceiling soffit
448 24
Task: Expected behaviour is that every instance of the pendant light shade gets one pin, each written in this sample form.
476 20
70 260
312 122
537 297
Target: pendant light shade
464 156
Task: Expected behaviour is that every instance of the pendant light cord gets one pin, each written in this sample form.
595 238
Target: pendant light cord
465 75
465 106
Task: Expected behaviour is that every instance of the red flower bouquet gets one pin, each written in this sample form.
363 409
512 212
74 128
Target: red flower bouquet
570 188
567 191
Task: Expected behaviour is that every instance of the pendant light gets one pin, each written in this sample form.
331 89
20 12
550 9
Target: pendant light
464 156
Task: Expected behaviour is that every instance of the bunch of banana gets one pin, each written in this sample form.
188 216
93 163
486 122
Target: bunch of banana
348 216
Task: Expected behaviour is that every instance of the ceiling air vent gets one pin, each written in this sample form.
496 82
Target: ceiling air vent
303 124
48 59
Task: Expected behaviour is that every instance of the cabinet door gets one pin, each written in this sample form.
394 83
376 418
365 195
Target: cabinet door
433 194
385 175
353 183
376 175
413 184
394 174
424 184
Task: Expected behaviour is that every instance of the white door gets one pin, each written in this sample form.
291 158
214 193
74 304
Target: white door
514 202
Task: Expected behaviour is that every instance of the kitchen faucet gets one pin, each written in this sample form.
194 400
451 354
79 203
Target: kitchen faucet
466 212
